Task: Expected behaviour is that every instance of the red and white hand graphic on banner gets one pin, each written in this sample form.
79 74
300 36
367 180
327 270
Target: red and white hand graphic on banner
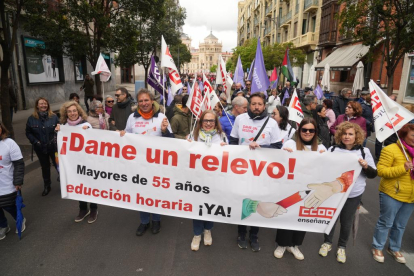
295 110
382 106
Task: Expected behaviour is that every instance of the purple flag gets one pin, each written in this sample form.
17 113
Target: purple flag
318 92
260 80
180 91
201 86
188 87
154 77
285 96
239 74
274 86
170 96
249 76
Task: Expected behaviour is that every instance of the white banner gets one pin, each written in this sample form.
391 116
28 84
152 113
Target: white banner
385 110
230 184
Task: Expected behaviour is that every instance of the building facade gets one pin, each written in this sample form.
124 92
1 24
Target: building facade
276 21
205 56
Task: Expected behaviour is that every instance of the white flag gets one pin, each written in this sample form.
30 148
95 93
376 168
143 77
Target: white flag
210 95
102 69
382 106
168 62
223 73
229 83
195 100
295 110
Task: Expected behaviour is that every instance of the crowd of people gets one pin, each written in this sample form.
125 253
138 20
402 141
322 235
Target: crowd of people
342 125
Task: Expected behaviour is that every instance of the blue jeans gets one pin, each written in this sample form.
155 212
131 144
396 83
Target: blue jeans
12 210
200 225
145 217
394 214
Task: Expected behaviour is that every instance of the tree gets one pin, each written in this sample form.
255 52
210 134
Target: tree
213 69
8 37
273 54
380 23
84 28
180 54
167 20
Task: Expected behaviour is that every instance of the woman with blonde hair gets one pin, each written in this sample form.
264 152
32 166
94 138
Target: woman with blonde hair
207 130
349 138
40 130
72 114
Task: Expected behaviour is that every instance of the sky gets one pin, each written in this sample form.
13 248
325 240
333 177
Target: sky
218 15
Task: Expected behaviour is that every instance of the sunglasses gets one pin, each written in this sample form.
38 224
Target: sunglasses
304 130
209 121
110 101
118 95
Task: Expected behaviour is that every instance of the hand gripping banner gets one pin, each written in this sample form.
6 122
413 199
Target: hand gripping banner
228 184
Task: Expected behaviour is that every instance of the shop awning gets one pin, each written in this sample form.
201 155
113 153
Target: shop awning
342 59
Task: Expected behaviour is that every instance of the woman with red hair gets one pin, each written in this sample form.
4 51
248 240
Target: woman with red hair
353 112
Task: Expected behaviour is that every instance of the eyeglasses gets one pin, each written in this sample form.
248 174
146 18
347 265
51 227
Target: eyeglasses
118 95
304 130
350 107
110 101
273 114
209 121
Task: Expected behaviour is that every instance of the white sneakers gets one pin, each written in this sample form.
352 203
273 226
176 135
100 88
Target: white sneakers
325 248
280 250
195 244
341 256
208 240
377 255
296 252
397 256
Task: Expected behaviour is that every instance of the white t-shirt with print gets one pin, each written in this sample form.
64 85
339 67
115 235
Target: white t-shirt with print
286 136
246 129
9 152
292 145
139 125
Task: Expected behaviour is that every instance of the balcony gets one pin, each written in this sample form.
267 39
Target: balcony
297 8
308 39
285 20
310 5
268 10
267 31
256 21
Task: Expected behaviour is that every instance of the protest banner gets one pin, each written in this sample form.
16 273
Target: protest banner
229 184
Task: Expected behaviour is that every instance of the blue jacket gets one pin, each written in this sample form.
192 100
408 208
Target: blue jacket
41 133
225 124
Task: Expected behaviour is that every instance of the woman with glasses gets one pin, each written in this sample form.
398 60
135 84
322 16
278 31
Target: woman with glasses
281 116
348 139
72 114
353 112
306 140
40 130
208 131
98 118
109 103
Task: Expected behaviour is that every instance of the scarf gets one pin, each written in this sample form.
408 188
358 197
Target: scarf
411 152
124 104
74 123
206 136
102 124
43 115
108 110
147 115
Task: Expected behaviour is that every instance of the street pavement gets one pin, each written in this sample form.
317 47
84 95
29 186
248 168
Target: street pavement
53 244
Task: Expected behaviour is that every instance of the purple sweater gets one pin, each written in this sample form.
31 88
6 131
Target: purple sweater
356 120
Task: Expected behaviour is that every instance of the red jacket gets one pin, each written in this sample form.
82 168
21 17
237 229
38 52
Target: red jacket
356 120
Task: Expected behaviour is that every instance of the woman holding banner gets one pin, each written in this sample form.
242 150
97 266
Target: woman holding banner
148 120
72 114
349 138
396 194
306 140
208 130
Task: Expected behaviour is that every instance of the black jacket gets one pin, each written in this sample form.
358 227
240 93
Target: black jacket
120 113
41 133
339 105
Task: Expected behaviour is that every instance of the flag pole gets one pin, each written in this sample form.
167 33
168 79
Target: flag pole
226 114
163 91
103 89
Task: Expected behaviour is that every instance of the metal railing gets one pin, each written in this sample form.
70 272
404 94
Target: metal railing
309 3
286 17
268 9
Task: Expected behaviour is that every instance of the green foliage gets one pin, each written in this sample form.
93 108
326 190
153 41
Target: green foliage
230 65
272 54
183 57
388 21
213 69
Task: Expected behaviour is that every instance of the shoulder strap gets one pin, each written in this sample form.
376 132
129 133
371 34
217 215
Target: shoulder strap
261 129
333 148
290 130
362 152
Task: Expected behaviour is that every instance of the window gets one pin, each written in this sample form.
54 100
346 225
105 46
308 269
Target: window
409 92
295 29
313 23
304 26
343 77
278 38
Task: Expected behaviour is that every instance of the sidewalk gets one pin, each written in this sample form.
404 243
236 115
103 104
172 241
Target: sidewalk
19 126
